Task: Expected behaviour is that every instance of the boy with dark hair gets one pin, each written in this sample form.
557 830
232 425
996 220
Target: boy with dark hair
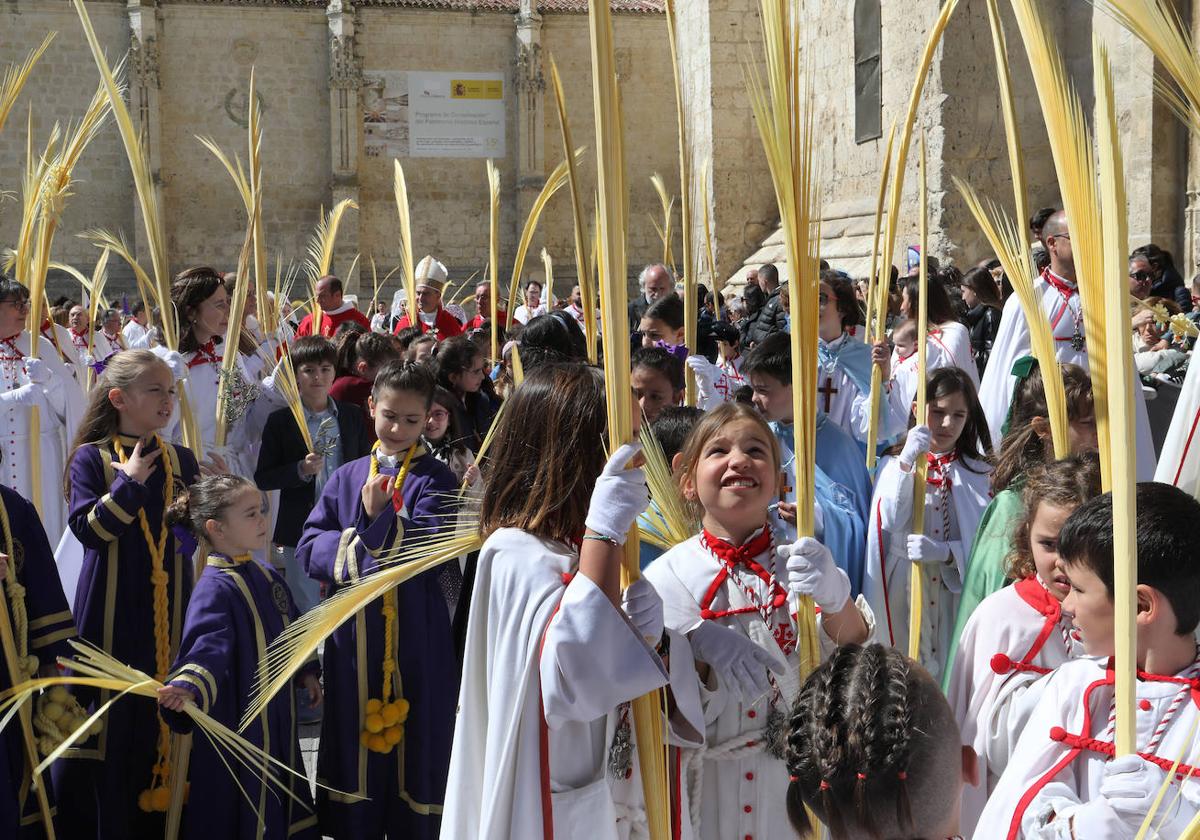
843 487
656 376
339 435
400 647
1062 779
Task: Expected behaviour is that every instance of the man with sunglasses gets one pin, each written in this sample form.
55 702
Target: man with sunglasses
1057 289
1141 276
47 384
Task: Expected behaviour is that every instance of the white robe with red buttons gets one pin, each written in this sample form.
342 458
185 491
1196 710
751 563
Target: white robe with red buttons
992 707
733 787
1044 786
887 578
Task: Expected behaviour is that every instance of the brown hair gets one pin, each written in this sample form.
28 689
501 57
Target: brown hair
209 498
191 288
706 428
1067 484
547 452
1021 449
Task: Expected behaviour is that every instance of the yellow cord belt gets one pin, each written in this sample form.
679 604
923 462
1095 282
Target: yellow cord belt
157 796
384 721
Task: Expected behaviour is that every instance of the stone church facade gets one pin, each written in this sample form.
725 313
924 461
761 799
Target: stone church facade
319 62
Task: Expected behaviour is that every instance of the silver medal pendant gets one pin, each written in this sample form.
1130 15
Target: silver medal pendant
1077 340
620 754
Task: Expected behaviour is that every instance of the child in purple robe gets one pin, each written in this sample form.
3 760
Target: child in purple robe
132 593
27 567
399 650
237 609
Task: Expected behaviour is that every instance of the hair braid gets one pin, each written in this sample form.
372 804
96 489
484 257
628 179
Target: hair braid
896 720
863 709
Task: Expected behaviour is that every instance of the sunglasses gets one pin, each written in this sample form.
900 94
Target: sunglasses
1141 276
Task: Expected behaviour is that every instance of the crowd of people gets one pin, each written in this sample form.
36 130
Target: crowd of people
491 696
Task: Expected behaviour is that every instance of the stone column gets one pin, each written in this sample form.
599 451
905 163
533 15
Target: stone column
714 36
145 26
529 87
345 123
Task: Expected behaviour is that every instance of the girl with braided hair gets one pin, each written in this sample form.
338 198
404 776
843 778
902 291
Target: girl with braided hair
132 592
873 750
728 589
1020 633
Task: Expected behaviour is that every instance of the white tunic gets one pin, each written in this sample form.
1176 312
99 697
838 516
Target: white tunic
59 405
887 578
1045 782
1022 624
531 642
1013 342
953 343
735 788
136 336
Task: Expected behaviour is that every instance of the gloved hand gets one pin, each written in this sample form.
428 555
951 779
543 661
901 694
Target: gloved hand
179 368
706 374
921 549
620 496
644 607
89 360
915 445
740 663
38 371
1129 786
811 571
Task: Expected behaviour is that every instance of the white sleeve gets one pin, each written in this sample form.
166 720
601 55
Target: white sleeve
593 659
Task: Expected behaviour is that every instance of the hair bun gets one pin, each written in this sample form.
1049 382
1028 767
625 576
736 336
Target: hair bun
179 511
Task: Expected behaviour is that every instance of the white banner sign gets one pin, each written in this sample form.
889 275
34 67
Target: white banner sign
458 115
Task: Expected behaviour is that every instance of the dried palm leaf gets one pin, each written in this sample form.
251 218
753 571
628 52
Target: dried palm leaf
667 204
16 75
408 261
556 181
493 176
587 289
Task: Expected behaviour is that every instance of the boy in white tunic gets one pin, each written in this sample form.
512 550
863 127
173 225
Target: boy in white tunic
728 589
1062 780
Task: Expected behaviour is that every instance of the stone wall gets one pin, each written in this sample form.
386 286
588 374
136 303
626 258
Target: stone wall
197 82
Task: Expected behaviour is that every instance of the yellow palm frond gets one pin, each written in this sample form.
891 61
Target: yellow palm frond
493 176
324 238
407 259
299 641
556 181
16 75
666 202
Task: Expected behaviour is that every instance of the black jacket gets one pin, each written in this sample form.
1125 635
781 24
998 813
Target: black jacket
279 458
983 322
770 320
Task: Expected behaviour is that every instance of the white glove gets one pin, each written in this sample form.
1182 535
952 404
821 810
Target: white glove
38 371
89 360
915 445
811 571
706 374
644 607
179 368
740 663
818 519
620 496
921 549
1127 790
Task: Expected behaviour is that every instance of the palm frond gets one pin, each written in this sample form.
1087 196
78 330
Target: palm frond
16 75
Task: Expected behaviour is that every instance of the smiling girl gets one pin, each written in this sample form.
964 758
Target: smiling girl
728 589
132 591
368 508
953 440
1021 632
237 609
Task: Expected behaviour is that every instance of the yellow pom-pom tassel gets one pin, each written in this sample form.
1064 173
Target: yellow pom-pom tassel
374 724
374 706
59 694
378 744
145 803
393 734
391 715
161 799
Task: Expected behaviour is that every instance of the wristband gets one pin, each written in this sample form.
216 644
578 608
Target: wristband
602 538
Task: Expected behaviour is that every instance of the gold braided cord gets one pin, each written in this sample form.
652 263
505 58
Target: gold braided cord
384 720
159 791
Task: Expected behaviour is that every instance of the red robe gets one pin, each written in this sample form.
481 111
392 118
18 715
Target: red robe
445 325
330 322
479 320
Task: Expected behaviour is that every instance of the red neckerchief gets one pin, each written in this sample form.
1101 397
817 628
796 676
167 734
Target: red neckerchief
205 353
78 339
732 556
114 340
11 344
1034 593
1059 284
935 474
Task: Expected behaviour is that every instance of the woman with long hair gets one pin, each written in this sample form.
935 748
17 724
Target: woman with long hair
982 299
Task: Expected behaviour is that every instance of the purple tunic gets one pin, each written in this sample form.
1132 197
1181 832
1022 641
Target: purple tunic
50 626
406 786
114 607
236 611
